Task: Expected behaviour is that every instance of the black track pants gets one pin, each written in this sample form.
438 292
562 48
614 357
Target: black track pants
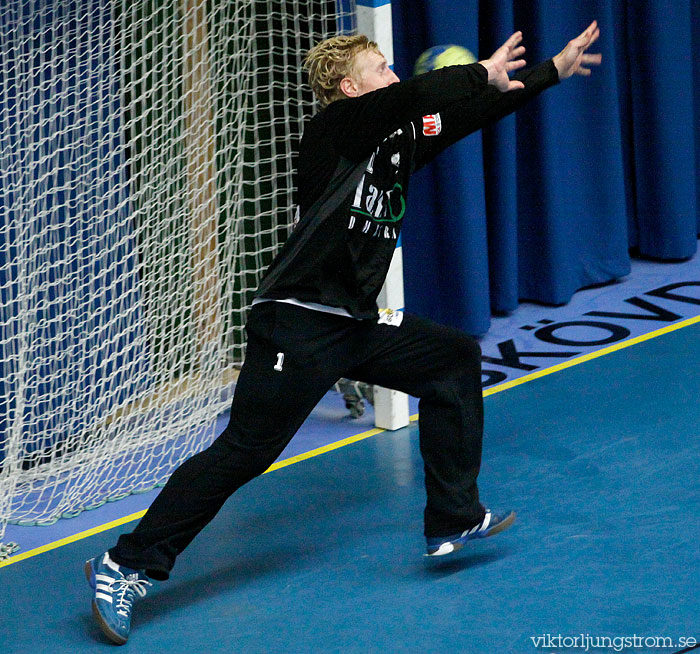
294 356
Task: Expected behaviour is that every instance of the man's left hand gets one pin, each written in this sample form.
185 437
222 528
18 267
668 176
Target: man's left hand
573 59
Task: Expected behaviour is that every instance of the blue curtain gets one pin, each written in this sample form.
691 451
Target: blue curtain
555 198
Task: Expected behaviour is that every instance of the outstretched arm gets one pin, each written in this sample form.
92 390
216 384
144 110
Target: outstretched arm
462 118
362 122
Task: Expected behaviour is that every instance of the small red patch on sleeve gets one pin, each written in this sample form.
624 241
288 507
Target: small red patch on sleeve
432 125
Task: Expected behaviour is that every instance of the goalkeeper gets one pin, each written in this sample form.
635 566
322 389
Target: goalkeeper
315 318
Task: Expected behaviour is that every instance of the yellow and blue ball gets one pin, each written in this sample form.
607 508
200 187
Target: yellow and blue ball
440 56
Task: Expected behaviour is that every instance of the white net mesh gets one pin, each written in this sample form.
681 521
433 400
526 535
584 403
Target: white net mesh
146 159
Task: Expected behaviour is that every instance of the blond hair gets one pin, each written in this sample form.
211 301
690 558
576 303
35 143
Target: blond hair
329 61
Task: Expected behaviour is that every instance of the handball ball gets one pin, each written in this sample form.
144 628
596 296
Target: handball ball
443 55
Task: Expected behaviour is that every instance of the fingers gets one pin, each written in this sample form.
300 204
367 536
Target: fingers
589 31
592 59
589 36
515 65
510 49
513 40
581 43
594 37
507 57
589 60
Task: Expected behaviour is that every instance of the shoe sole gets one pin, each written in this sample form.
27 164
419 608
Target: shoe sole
104 627
501 526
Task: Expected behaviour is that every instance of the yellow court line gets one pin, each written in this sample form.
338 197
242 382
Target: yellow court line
324 449
71 539
372 432
140 514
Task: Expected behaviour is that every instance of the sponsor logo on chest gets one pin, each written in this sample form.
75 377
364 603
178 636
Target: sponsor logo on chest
379 202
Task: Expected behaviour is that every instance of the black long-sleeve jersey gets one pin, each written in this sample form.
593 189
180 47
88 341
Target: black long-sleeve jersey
355 160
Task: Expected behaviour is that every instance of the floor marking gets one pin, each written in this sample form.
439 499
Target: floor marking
372 432
592 355
586 357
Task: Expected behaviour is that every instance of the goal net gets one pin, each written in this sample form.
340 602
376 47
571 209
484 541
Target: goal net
146 158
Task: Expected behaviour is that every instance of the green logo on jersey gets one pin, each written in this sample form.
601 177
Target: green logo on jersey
393 218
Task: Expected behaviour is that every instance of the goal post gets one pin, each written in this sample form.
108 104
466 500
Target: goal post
390 407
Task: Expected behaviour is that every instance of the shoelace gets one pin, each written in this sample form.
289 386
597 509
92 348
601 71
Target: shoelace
126 590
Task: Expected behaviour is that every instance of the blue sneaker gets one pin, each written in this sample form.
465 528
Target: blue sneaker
115 590
491 524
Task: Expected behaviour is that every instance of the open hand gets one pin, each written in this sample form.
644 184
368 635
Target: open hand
503 61
573 58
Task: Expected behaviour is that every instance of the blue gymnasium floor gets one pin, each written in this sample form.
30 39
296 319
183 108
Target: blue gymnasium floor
600 460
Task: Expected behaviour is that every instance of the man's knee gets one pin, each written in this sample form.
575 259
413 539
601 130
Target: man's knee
244 457
470 349
465 360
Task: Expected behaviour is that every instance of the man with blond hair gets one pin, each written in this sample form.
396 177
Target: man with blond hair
315 317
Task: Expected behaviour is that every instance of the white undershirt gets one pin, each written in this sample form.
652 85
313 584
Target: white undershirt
337 311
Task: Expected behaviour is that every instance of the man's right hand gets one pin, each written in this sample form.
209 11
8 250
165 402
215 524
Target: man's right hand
504 61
